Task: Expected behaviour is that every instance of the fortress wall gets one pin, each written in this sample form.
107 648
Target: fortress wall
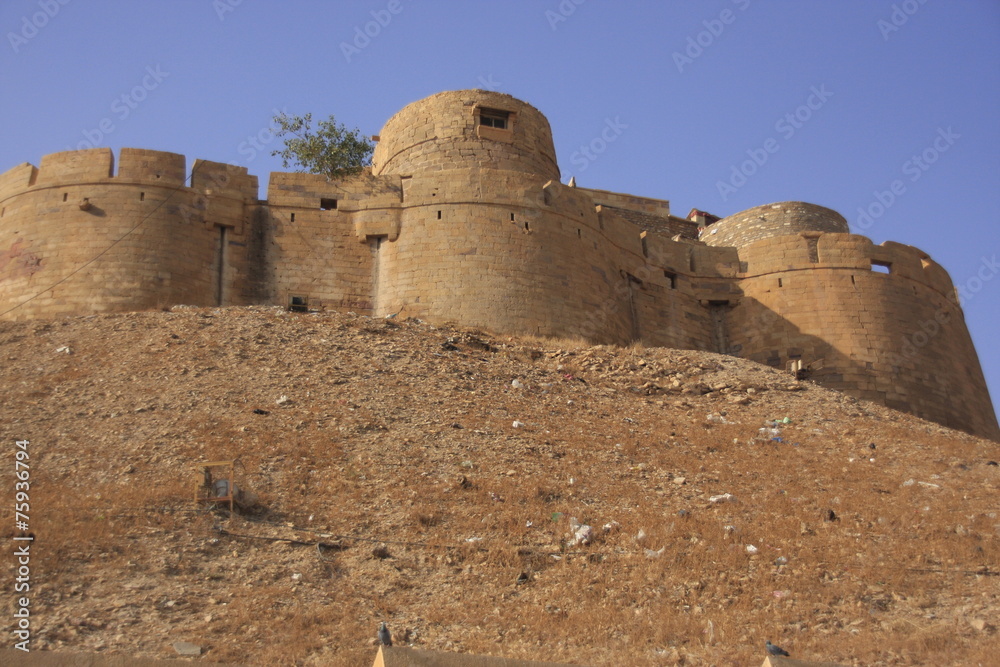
134 245
772 220
898 339
318 254
442 132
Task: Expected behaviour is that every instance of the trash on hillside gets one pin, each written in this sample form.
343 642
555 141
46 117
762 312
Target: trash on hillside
64 348
640 536
517 424
516 384
216 485
283 400
781 560
715 418
723 498
582 535
655 554
751 549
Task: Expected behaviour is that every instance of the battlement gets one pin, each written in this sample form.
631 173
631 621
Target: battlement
135 166
819 250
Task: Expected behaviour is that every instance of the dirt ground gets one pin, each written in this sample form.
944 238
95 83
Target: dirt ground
525 498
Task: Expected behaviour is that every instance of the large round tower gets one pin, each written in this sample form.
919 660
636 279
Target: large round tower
464 129
487 234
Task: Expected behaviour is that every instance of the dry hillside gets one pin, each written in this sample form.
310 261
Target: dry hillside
406 477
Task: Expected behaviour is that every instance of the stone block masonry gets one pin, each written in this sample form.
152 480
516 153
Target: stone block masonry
462 218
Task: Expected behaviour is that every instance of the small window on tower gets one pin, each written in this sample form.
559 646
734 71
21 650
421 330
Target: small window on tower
327 204
494 118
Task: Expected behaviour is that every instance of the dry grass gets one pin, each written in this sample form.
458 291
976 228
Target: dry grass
414 448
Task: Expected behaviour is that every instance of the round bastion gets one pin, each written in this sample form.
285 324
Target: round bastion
466 129
780 219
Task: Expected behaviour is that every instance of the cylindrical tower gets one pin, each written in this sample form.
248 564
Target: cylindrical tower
488 236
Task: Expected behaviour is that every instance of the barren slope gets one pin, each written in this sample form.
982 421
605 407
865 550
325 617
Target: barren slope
396 449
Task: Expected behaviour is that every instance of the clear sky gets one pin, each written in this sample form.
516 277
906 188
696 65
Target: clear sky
841 102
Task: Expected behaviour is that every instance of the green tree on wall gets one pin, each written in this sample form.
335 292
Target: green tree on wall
332 149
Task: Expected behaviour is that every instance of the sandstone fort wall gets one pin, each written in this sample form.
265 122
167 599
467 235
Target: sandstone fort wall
462 218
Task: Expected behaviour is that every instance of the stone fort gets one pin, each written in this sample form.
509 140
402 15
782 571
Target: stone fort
462 217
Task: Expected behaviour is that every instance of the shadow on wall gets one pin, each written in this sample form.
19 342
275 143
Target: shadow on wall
900 376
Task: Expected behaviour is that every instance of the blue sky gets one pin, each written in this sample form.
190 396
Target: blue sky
840 102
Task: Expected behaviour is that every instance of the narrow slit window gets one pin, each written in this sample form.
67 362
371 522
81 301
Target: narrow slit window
780 283
65 196
142 196
327 204
671 279
645 247
881 267
526 228
579 234
512 217
439 215
293 217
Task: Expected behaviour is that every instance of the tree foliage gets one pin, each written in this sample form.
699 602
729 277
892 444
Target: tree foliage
332 149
